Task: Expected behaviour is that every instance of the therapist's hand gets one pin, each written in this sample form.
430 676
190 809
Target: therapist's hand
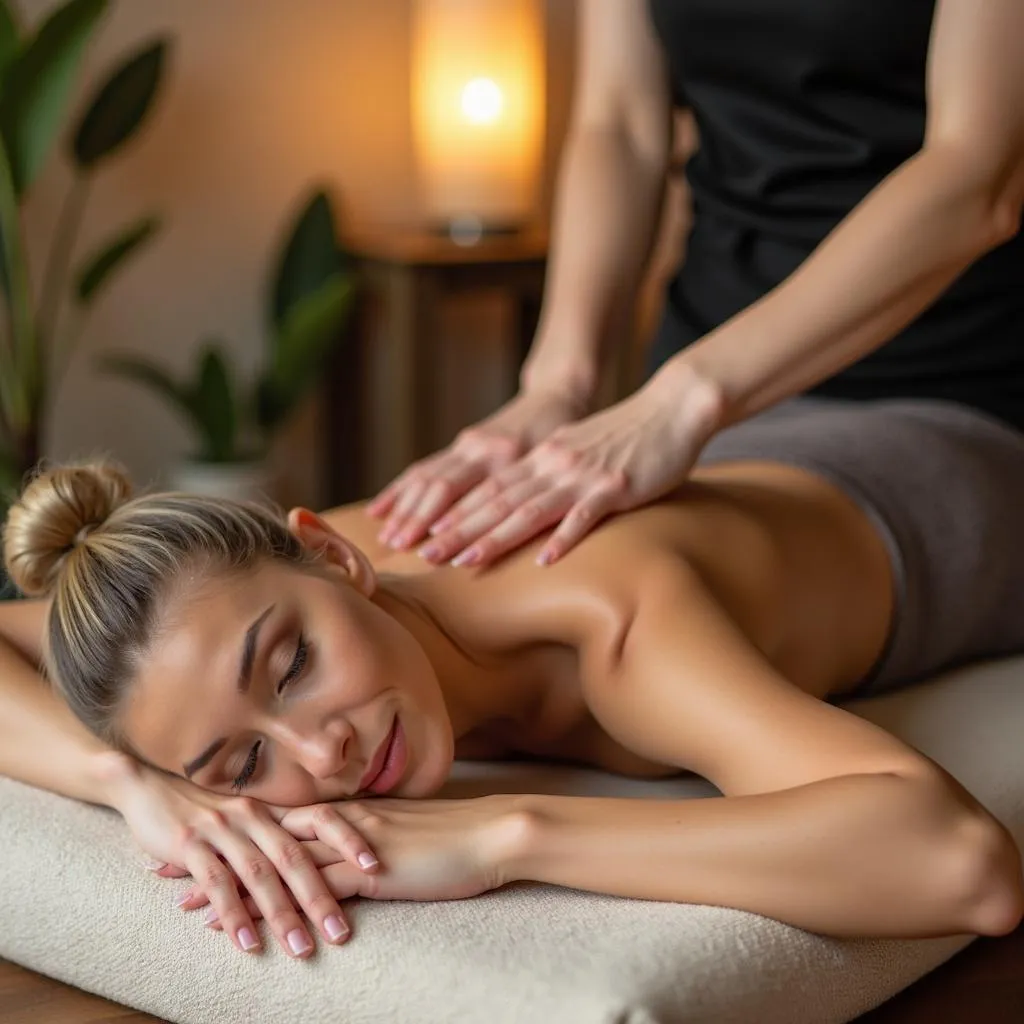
426 490
620 458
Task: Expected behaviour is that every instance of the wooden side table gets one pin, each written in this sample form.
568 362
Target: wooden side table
382 389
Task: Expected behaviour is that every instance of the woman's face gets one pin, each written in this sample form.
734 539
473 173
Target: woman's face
287 684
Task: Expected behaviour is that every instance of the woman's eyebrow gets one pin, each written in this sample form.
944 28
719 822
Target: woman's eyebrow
249 651
252 635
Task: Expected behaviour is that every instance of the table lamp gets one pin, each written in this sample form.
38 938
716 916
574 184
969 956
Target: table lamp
477 113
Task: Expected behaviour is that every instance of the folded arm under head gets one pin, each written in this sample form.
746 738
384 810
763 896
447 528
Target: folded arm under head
147 630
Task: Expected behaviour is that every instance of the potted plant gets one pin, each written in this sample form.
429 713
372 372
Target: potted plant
38 74
232 421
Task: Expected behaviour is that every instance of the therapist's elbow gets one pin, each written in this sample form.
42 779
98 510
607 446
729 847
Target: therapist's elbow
985 185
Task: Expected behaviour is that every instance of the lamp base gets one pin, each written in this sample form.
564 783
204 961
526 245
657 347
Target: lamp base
469 229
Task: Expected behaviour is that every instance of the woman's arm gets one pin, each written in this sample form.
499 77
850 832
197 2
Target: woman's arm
827 822
41 741
44 745
908 240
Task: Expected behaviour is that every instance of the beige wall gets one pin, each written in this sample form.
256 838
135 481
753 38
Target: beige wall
263 98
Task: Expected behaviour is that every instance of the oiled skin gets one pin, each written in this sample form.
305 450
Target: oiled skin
790 559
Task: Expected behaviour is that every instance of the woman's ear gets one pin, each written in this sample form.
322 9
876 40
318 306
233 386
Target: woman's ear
315 534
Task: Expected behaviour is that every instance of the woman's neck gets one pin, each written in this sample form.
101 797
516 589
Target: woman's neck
479 687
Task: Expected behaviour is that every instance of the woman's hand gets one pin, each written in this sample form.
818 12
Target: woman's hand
429 849
223 840
427 489
620 458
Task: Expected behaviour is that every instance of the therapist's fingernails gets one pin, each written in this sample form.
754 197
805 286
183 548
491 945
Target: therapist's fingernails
335 928
439 527
183 899
212 917
545 558
153 865
431 552
247 940
468 557
366 860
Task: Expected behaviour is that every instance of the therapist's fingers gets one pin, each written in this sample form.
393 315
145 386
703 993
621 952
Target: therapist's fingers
452 480
484 492
519 524
483 517
582 517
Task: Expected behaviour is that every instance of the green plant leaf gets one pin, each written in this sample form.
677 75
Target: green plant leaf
10 38
99 267
9 476
156 379
215 406
311 256
120 105
39 85
300 348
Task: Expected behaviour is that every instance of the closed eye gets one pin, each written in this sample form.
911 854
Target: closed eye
297 665
294 671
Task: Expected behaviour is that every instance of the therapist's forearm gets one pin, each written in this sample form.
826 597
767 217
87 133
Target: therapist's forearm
606 211
880 268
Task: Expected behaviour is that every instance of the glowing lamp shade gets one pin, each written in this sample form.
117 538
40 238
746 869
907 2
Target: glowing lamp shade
478 109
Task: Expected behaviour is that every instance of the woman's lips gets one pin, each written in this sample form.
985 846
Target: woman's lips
392 758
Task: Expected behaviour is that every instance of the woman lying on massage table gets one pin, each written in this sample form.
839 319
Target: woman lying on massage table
208 641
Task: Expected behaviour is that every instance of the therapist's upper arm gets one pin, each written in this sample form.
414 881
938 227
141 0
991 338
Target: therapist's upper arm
976 97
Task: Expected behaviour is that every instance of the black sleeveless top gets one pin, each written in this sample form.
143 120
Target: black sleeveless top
804 106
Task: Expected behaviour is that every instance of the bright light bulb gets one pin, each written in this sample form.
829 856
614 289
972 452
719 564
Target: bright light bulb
481 101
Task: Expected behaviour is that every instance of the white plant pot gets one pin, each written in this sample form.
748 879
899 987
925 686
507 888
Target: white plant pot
239 481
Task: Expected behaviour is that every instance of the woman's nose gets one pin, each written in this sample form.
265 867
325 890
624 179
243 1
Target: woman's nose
320 749
322 754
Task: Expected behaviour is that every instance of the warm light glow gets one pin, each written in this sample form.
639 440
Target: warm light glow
478 107
481 100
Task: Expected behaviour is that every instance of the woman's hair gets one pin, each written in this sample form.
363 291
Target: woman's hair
110 562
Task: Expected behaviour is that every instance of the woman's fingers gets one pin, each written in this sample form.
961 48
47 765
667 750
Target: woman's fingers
170 871
338 836
266 858
212 920
219 888
286 860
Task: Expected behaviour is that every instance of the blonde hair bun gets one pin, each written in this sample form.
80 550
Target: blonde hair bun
57 511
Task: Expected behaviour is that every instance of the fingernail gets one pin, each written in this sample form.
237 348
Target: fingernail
153 865
247 940
544 558
384 536
366 860
182 900
430 552
298 943
334 928
212 916
439 527
468 557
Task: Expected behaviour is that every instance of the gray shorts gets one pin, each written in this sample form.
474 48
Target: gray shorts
944 485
